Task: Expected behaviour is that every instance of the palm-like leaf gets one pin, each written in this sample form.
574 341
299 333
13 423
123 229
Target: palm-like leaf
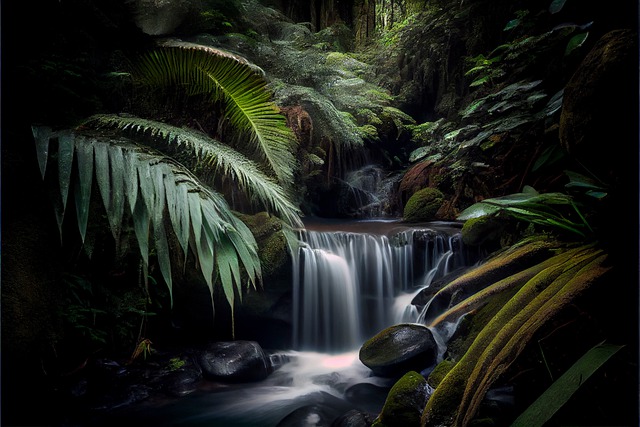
157 192
232 164
242 91
531 206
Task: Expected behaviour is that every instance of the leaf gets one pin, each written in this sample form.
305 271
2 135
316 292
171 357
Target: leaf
234 165
480 81
512 24
556 6
550 156
65 162
84 154
478 210
575 42
41 136
231 80
559 393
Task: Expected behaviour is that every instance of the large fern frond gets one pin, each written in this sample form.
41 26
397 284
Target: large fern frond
203 149
158 193
241 90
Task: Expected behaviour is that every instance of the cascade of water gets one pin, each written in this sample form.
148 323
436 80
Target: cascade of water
369 191
350 285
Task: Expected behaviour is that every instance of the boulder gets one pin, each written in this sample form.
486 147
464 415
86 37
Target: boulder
423 205
405 402
398 349
234 361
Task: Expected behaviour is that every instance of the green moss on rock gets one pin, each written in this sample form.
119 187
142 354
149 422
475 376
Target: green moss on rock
439 372
404 403
423 205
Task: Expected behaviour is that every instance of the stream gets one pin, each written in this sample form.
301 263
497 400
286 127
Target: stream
351 279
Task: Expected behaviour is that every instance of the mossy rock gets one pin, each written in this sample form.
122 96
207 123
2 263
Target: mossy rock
482 230
423 205
439 372
404 403
398 349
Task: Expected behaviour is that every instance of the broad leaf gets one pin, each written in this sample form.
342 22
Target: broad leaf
559 393
228 79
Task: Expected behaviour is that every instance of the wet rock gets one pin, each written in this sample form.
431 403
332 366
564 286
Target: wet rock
423 205
353 418
405 402
234 361
367 396
182 382
398 349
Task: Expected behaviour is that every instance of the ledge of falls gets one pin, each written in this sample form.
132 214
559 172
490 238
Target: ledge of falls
352 279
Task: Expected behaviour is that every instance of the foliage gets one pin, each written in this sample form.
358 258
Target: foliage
530 206
158 192
503 338
79 311
198 150
176 363
564 387
142 349
230 79
134 164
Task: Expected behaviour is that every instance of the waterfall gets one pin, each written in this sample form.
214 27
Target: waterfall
350 283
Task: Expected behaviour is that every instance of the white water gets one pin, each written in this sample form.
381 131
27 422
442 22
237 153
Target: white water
350 282
348 286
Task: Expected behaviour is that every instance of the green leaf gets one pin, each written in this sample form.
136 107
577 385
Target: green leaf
575 42
41 136
512 24
84 154
205 150
550 156
229 79
478 210
556 6
559 393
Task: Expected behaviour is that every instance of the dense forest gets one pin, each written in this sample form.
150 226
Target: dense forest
162 159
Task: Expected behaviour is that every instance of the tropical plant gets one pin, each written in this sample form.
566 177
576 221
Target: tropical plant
238 85
133 163
560 281
549 402
545 209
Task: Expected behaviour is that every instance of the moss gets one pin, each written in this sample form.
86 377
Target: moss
439 372
464 385
483 230
404 402
273 253
423 205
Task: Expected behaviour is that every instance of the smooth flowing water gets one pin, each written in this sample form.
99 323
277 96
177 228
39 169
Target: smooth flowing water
351 279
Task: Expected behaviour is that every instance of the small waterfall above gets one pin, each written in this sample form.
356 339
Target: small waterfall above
369 190
352 280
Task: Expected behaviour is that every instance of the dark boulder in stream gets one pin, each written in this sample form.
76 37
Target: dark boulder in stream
236 361
398 349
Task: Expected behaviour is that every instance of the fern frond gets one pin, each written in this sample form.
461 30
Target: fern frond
232 164
228 79
152 185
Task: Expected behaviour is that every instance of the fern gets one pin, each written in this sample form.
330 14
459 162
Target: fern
233 81
158 192
202 149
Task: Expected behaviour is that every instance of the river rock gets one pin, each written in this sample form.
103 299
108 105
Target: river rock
399 349
405 402
234 361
